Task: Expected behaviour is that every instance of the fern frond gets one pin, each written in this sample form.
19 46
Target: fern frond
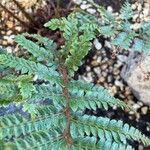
92 97
76 46
30 67
48 44
126 11
39 52
107 31
91 143
112 130
16 87
124 40
45 140
145 29
106 15
16 125
141 45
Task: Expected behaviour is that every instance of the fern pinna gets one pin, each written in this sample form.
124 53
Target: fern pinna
54 103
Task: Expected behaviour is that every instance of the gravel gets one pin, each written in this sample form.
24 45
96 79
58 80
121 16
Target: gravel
99 66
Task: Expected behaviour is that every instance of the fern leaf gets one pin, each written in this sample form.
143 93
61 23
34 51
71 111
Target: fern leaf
30 67
40 53
124 40
16 125
45 140
126 11
92 96
110 129
145 29
90 143
76 46
141 45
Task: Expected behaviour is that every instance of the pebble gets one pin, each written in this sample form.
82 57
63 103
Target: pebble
85 6
9 24
107 44
136 106
104 67
144 110
127 91
88 68
110 9
109 78
97 44
78 2
122 58
91 11
133 6
113 90
9 49
101 79
139 8
97 70
146 12
104 74
116 71
99 59
119 84
89 77
9 32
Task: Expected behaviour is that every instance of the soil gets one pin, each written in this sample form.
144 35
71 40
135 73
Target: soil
43 16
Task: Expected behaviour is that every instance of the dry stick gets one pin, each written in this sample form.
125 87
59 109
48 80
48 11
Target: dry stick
23 11
67 111
18 19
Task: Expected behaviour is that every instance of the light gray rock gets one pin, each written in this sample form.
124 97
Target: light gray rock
136 73
97 44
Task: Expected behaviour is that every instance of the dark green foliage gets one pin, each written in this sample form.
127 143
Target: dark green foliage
41 83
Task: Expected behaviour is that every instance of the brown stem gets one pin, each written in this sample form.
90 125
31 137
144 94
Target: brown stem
67 111
18 19
23 11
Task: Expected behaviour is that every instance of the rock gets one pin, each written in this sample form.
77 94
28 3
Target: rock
9 24
133 6
146 12
85 6
97 70
9 49
139 7
97 44
112 90
78 2
110 9
101 79
122 58
104 74
88 68
104 67
91 10
136 106
136 73
119 84
144 110
109 79
108 44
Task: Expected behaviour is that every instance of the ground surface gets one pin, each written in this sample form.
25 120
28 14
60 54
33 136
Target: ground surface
98 67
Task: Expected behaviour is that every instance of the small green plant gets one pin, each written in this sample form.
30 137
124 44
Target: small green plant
55 118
